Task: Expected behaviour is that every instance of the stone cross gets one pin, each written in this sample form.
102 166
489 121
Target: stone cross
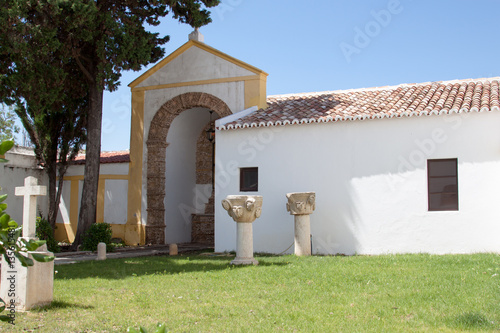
30 191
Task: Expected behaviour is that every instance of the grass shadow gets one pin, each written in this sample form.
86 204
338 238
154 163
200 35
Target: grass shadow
57 305
472 320
126 267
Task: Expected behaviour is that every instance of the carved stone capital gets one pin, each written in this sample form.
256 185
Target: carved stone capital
243 208
301 203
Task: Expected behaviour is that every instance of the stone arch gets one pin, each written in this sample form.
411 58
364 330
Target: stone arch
156 152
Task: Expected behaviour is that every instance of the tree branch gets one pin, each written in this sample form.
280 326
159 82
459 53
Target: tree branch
82 67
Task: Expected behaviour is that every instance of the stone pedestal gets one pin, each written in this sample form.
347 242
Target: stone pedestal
26 287
101 251
301 205
244 209
173 250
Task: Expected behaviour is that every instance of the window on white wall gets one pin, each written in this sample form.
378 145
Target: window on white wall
249 179
442 180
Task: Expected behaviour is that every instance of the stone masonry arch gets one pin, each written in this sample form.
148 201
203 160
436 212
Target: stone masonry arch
156 152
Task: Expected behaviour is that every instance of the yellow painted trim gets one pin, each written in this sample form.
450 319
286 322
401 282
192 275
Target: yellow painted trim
73 210
199 83
101 190
134 232
182 49
60 234
118 231
65 233
255 93
106 177
73 178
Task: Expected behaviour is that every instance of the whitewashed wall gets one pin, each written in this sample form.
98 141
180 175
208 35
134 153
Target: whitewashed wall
22 163
370 180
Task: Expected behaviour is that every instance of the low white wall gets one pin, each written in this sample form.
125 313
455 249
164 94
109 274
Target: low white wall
22 164
370 180
115 193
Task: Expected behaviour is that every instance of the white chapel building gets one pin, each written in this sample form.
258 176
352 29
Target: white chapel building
402 169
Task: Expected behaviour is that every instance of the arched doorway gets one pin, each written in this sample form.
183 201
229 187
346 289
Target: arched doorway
157 193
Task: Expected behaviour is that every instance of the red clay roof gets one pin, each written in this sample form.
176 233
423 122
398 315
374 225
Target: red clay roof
107 157
429 98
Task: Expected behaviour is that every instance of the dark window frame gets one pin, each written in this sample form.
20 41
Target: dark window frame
430 179
243 173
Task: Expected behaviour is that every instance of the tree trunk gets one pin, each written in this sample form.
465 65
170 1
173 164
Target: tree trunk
53 202
87 215
55 194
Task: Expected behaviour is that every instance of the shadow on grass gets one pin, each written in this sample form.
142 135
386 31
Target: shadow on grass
160 265
472 320
56 305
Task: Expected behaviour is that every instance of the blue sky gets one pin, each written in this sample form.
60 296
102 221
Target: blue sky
320 45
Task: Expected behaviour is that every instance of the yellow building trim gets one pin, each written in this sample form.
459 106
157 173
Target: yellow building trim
118 230
71 178
199 83
182 49
106 177
101 190
134 231
255 92
73 209
64 232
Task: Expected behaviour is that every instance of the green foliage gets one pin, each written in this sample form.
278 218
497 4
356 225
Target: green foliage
7 123
44 232
160 328
4 147
97 233
12 247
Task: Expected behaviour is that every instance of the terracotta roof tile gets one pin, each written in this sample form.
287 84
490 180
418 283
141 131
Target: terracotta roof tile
373 103
107 157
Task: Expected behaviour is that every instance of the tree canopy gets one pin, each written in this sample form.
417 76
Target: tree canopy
8 127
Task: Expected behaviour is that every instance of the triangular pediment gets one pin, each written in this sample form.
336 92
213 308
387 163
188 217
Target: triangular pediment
194 62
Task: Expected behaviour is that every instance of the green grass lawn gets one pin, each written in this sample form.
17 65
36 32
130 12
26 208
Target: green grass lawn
194 293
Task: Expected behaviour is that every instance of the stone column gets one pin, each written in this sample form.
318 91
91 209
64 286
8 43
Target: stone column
301 205
244 209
